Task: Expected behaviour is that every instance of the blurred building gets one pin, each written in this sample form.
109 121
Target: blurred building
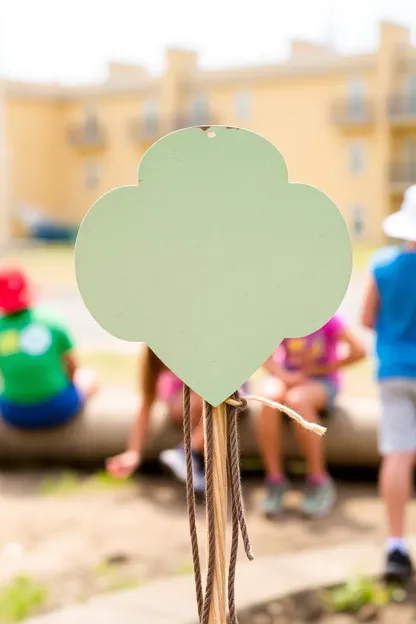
346 124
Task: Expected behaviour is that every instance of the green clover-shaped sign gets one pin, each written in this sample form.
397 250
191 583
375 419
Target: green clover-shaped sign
214 258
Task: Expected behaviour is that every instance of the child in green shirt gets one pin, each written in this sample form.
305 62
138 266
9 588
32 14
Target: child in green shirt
41 384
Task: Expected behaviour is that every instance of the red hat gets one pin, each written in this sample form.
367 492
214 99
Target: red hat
15 294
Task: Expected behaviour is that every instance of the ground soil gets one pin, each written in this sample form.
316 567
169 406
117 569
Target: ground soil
83 540
311 607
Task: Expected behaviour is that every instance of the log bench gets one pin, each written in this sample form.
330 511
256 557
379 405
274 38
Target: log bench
102 431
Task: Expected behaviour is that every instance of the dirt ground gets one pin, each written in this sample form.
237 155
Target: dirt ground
81 538
78 540
312 607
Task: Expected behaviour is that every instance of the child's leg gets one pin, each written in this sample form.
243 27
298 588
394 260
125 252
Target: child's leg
269 429
308 400
396 489
176 415
269 433
174 459
85 380
397 444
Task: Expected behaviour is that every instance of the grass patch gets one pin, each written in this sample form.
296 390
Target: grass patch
121 371
359 592
103 480
54 264
361 256
114 580
47 264
123 584
113 369
184 569
64 484
20 599
104 569
70 483
359 380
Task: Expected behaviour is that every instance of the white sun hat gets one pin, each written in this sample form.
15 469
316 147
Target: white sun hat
402 224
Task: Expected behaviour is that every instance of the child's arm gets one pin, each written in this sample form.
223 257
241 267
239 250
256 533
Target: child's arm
126 463
289 378
139 429
70 364
371 305
356 352
65 345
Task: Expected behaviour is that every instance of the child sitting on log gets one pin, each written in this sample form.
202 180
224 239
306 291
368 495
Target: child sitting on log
159 383
42 385
303 373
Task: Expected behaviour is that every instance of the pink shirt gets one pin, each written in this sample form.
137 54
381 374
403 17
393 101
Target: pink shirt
168 385
319 348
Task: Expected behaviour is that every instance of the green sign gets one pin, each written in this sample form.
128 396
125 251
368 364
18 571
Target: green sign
214 257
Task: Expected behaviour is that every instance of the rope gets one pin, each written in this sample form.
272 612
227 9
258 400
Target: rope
234 405
190 497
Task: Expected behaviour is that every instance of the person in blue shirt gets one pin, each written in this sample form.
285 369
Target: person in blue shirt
390 309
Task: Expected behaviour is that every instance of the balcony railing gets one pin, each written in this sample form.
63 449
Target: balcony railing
89 134
190 120
352 113
140 129
402 107
145 130
403 174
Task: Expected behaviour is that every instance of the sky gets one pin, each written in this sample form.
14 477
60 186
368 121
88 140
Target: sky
72 42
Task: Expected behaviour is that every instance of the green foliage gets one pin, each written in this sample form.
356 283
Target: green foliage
356 593
103 479
66 483
184 569
114 582
69 483
20 598
124 584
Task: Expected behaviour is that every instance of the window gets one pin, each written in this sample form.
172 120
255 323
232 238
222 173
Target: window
358 221
242 105
356 99
411 88
91 174
356 157
410 150
151 117
90 114
91 127
200 112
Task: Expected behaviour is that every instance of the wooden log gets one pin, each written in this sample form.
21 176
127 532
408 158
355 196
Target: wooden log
102 431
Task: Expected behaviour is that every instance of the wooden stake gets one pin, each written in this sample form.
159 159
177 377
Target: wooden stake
218 611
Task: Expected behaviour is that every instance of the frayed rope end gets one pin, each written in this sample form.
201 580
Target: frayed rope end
318 429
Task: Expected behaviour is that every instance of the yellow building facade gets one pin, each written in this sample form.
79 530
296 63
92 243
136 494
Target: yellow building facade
346 124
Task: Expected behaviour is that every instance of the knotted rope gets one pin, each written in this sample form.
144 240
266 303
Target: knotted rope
238 520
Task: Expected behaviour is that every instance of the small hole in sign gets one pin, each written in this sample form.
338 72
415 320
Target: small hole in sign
211 134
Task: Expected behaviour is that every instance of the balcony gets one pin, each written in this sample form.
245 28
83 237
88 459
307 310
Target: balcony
402 175
145 130
87 135
350 114
191 120
402 110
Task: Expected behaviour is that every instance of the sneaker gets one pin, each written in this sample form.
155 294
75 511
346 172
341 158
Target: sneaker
399 567
272 505
174 461
319 499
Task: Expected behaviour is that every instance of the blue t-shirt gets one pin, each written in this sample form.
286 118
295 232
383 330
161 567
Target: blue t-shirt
394 271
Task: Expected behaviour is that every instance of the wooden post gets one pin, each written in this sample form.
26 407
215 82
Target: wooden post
218 611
